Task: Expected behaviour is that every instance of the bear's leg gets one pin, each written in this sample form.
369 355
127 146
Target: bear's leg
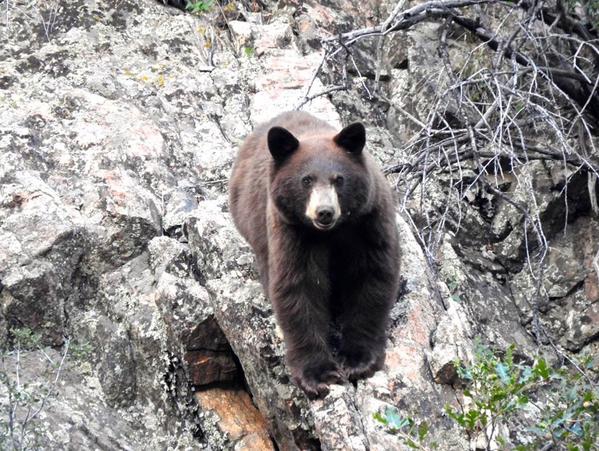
363 328
299 292
304 320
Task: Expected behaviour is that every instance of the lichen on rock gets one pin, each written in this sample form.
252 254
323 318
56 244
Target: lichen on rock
119 123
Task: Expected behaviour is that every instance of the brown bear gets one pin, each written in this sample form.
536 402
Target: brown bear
320 216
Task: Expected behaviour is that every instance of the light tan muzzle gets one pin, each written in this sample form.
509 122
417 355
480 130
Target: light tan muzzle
323 207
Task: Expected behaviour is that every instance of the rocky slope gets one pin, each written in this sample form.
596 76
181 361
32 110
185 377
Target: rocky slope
119 122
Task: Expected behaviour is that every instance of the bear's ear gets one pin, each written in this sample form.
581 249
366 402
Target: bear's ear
281 143
352 138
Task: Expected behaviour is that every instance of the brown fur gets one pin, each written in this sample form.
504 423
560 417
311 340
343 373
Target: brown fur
348 275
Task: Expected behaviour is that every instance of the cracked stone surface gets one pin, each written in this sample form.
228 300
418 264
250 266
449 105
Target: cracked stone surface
119 122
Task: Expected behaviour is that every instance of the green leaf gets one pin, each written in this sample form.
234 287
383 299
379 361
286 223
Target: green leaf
422 430
412 444
542 369
509 355
577 429
465 373
503 372
394 420
471 418
380 418
456 298
457 417
200 6
526 375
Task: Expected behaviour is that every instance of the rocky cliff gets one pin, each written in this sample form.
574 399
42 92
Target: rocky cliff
119 122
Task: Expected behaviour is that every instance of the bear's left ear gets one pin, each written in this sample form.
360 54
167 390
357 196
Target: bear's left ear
352 138
281 143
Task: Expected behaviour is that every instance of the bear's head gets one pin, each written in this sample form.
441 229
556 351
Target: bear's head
321 181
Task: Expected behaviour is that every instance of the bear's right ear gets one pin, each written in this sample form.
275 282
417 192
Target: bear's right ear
281 143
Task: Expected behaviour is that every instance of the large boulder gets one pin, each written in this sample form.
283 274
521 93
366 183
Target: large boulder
119 123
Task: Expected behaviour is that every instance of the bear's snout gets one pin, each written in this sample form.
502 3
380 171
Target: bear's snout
323 207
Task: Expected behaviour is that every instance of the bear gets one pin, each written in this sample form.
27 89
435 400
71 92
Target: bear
320 217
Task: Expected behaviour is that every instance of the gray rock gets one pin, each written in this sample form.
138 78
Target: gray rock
118 128
76 414
567 298
117 369
43 241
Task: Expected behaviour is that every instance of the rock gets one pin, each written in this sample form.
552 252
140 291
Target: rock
131 220
568 298
452 342
284 86
42 243
240 425
76 415
183 303
275 35
118 129
117 368
242 31
207 367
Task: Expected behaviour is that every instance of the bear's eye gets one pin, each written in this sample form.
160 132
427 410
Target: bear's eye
338 181
307 181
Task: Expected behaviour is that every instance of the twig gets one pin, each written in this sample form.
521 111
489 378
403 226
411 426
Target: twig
28 417
320 94
596 264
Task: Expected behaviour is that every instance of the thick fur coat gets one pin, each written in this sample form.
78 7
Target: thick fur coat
320 217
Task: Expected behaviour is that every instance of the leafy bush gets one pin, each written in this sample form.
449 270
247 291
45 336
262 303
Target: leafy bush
549 408
564 401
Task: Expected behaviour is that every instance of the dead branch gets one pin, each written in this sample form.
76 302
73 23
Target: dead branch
398 20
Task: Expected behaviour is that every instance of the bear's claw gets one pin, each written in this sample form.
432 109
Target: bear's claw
315 383
361 365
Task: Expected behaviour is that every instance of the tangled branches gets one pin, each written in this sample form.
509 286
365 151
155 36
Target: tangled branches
533 97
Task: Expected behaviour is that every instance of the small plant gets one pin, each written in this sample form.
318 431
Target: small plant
453 285
200 7
249 51
572 418
22 399
412 433
230 8
25 339
80 351
496 389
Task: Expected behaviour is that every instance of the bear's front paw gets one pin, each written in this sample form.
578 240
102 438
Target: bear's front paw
314 380
361 363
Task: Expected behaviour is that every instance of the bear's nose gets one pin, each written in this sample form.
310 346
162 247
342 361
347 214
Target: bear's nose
324 215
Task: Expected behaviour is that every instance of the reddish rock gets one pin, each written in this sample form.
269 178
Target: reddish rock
239 420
